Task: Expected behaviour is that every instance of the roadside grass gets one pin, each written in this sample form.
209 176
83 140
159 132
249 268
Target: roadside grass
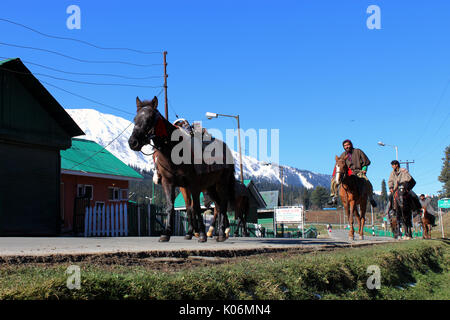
416 269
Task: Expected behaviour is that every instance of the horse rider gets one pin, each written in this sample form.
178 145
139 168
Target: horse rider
401 176
425 202
357 163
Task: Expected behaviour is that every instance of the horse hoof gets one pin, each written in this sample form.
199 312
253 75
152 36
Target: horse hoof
164 238
227 232
196 234
202 238
188 237
221 239
210 232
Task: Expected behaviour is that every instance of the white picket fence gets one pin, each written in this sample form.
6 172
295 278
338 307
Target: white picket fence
109 221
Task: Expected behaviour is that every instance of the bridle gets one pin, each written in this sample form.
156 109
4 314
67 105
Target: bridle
338 174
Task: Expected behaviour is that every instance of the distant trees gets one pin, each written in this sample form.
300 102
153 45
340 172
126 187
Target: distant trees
384 195
445 174
319 197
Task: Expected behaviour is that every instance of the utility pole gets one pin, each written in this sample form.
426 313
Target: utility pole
282 182
407 163
165 84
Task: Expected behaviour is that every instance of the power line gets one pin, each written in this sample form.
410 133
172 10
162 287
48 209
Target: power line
432 114
78 59
77 40
87 74
85 98
77 81
80 163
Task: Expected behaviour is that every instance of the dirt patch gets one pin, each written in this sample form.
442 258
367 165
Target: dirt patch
168 260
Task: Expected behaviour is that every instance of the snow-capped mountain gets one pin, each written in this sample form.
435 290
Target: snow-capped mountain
104 128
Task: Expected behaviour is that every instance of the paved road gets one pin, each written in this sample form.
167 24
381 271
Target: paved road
342 235
28 246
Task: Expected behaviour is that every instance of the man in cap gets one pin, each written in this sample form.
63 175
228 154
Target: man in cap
357 163
401 176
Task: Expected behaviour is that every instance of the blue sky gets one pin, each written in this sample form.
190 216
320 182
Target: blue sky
309 68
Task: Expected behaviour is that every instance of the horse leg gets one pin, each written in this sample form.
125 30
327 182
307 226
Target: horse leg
190 230
169 191
362 207
213 221
349 209
238 226
358 218
198 215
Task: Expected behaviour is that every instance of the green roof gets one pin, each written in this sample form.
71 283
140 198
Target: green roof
6 60
179 200
90 157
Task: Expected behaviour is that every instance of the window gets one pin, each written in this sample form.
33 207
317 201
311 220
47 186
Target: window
85 191
114 194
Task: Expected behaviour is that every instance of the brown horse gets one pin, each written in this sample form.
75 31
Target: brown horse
178 170
353 192
427 223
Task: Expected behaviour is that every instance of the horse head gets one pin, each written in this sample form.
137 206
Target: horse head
341 169
402 194
147 123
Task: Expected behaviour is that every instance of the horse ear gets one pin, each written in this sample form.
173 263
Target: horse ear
154 103
337 158
138 103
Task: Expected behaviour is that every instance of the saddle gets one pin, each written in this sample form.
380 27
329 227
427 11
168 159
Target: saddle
207 153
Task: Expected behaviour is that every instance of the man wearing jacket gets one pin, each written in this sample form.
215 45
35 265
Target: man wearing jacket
357 163
401 176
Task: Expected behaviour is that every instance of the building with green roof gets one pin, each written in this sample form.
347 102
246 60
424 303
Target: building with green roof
91 176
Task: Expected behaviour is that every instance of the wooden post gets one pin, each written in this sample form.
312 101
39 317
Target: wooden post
108 224
139 220
86 222
125 219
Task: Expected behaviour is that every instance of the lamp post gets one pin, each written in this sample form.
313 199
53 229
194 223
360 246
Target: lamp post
211 115
395 147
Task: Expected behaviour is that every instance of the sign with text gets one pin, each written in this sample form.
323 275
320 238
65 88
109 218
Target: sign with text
289 215
444 203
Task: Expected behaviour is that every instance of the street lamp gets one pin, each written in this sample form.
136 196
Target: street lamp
211 115
395 147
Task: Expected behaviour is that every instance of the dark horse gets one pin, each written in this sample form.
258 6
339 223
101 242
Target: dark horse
241 207
151 127
353 192
403 207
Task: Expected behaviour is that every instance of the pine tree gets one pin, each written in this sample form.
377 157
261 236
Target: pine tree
445 174
384 196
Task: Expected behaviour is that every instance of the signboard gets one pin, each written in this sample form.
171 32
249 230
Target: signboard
444 203
289 214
